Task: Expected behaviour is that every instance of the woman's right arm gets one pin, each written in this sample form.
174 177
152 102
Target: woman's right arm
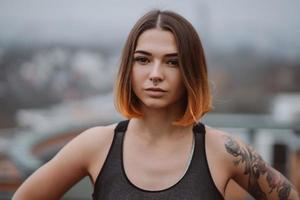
57 176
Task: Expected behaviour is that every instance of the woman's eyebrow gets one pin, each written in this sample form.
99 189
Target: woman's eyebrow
171 55
149 54
143 52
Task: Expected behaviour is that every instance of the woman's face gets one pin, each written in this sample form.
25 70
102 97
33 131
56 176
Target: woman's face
156 77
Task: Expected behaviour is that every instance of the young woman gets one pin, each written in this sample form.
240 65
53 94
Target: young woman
160 152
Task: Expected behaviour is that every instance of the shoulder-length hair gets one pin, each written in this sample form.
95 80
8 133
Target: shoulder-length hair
192 65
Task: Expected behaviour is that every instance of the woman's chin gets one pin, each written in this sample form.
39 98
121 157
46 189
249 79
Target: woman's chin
155 106
158 105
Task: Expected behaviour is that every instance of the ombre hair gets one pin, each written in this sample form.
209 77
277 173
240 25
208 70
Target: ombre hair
192 65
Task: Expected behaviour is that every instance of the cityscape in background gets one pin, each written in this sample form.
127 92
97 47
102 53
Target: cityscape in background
242 81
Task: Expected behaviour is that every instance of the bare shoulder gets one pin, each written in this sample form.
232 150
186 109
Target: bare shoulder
94 140
222 142
215 135
216 140
96 135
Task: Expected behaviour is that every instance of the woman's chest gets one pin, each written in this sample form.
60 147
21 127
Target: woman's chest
155 169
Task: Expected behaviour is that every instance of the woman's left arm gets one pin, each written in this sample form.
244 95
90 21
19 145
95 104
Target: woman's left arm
255 175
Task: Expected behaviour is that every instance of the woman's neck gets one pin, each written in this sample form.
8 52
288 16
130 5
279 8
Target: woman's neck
157 124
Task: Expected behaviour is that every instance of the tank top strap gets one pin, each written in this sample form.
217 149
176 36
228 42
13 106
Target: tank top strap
199 128
122 126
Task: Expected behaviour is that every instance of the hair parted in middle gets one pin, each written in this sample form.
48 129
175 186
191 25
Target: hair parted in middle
192 65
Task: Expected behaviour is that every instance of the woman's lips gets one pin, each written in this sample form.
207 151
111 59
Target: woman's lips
156 89
155 92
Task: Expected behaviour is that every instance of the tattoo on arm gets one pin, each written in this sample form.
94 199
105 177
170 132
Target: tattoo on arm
255 167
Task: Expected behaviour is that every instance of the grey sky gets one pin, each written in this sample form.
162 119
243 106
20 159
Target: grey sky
266 24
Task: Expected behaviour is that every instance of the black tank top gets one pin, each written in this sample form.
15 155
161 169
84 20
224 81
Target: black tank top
197 183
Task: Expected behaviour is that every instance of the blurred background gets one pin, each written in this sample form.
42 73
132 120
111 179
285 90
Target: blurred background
58 61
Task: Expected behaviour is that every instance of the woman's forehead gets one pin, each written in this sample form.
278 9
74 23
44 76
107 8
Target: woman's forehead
157 41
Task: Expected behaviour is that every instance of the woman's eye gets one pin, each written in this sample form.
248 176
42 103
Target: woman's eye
172 63
141 60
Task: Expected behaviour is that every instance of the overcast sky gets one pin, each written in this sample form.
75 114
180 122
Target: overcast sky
266 24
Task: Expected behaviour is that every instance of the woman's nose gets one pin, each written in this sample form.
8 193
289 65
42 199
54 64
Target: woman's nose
156 73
